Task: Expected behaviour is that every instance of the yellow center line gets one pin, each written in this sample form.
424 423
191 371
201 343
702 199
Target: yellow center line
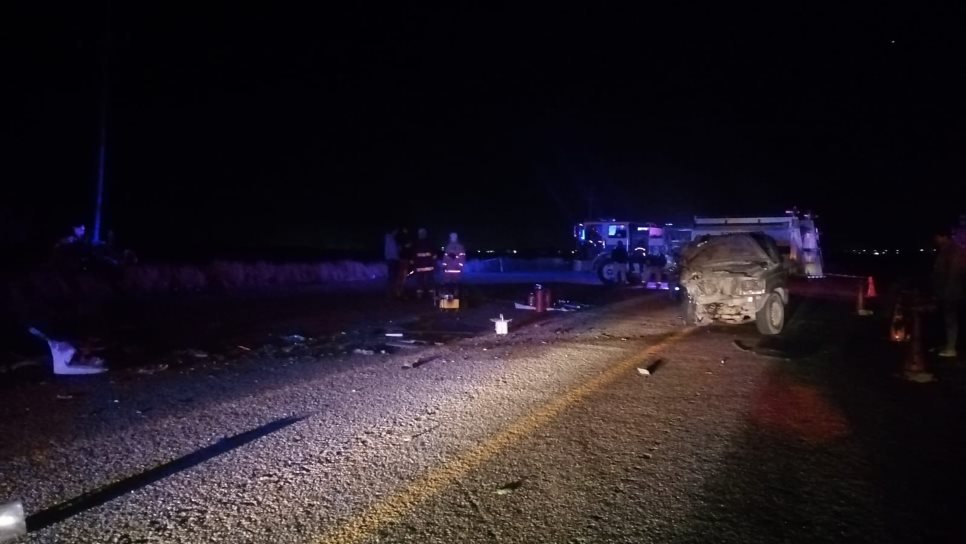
436 480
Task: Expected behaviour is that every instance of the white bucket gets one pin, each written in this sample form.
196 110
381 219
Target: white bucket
502 325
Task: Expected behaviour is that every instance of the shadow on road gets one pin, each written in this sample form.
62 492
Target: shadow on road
66 509
838 449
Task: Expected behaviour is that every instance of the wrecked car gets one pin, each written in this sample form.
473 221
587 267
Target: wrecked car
735 278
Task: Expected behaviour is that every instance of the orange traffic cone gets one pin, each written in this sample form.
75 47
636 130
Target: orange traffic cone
870 288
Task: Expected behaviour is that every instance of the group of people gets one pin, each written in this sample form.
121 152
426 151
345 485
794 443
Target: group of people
407 255
652 269
76 252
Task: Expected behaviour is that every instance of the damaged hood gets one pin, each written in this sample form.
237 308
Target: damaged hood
735 254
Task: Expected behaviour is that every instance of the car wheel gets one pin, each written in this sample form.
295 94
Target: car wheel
771 318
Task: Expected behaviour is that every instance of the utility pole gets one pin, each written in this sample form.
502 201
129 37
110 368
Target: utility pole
102 140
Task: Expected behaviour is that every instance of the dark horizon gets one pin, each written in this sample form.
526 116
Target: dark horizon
318 128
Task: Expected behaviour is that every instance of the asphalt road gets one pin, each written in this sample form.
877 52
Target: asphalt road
550 434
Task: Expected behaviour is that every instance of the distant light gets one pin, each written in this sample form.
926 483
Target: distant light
921 250
892 42
514 251
668 224
875 252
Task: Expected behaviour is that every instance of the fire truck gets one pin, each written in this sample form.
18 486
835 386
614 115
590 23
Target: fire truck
795 233
595 239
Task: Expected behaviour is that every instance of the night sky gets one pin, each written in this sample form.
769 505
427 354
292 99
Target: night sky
235 127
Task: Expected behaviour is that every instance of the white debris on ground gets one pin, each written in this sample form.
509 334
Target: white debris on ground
65 360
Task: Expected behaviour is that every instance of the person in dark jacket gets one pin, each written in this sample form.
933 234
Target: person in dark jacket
424 263
391 254
407 255
949 286
619 256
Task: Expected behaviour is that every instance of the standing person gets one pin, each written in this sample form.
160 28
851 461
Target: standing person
424 263
619 256
73 252
406 257
949 286
391 254
454 259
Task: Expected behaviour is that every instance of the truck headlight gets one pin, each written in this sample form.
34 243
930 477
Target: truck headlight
751 287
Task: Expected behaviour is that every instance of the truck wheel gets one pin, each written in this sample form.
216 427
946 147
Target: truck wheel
771 318
607 271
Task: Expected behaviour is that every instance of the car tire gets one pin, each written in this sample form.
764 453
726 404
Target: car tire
771 318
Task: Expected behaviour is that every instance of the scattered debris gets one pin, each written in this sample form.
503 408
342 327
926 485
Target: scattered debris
403 345
568 306
148 370
421 361
63 355
363 351
65 397
243 348
20 364
506 489
424 431
643 371
294 338
741 345
652 368
197 353
724 360
394 334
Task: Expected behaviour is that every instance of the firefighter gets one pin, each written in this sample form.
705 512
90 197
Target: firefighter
406 257
424 263
391 252
454 259
620 258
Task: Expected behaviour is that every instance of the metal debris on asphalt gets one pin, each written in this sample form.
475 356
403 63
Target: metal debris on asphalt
741 345
153 369
652 368
294 338
510 487
420 362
